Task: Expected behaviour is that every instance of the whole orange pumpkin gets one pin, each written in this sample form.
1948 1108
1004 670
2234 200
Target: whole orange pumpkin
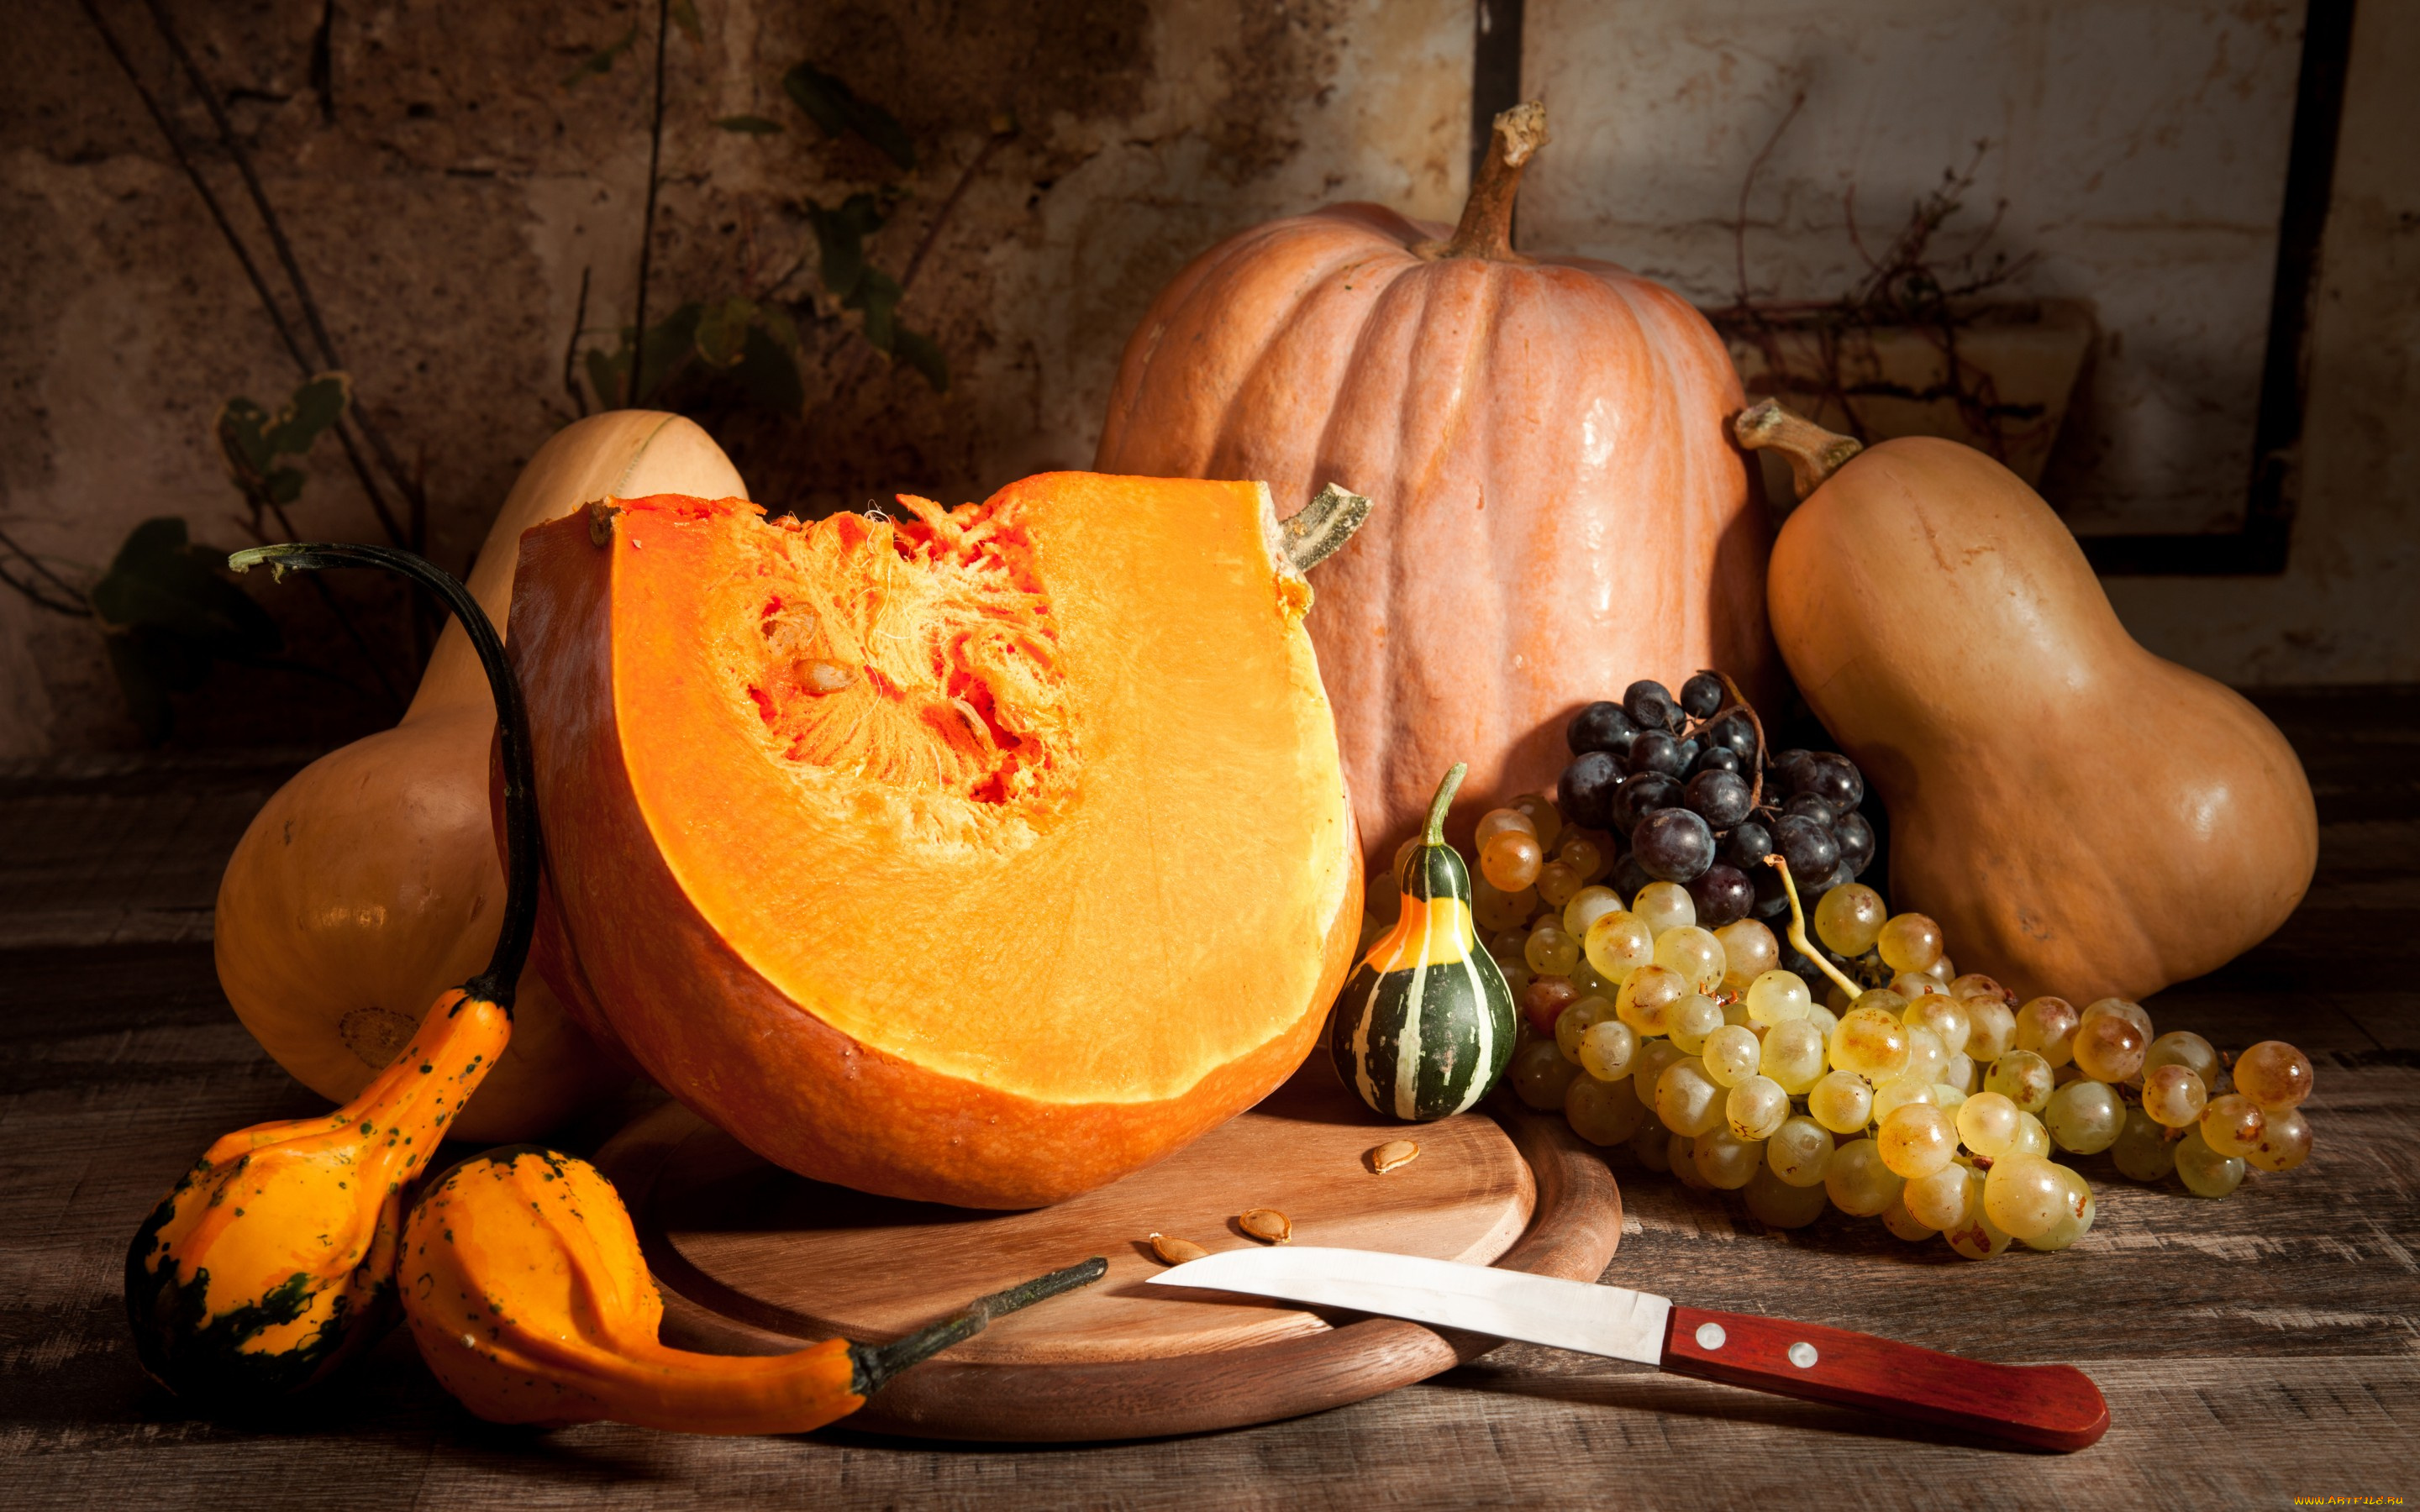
1559 508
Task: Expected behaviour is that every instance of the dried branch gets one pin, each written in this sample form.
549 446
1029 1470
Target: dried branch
72 605
1756 165
571 349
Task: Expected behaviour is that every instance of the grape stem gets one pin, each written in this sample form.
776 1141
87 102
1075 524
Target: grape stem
1798 933
1738 703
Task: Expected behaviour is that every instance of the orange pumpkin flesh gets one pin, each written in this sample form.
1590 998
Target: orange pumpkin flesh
979 857
371 881
1557 506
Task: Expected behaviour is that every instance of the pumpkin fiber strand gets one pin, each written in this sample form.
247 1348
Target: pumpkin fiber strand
273 1260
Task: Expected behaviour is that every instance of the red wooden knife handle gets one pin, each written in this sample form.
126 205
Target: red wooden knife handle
2046 1406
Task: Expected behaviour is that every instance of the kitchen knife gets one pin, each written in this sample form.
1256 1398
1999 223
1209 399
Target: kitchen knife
2044 1406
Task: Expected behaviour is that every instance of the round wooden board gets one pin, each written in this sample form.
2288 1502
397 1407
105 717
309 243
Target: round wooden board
753 1259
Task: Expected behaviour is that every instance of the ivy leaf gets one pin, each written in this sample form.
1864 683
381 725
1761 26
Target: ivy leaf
722 330
768 374
161 581
840 241
839 110
876 294
601 61
749 124
922 353
318 404
684 13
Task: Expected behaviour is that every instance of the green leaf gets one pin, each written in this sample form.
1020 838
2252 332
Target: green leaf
684 13
161 581
838 110
602 60
840 241
922 353
722 330
749 124
768 374
875 294
318 404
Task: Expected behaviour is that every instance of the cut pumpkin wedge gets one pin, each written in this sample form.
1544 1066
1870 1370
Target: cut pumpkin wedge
976 855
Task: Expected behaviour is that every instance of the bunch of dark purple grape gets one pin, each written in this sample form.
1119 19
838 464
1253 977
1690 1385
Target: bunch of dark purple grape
1688 786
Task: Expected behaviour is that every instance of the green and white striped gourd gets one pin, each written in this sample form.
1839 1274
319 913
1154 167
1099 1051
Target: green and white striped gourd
1425 1025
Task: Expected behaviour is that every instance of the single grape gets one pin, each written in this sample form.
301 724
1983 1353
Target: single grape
1915 1139
2033 1136
1495 909
1978 1238
1591 983
1778 997
1731 1055
1695 953
1988 1123
1701 695
1756 1108
1909 942
1543 818
1944 1016
1833 779
2024 1195
2203 1169
1841 1102
1664 905
1991 1030
2183 1047
1585 791
1688 1100
1798 1150
2085 1116
1493 823
1651 705
1673 844
1628 877
1727 1161
1541 1075
1604 1112
1925 1057
2075 1213
1856 839
1551 952
1609 1050
1695 1017
1573 1023
1749 950
1895 1094
1747 846
1517 976
1793 1054
1974 984
1587 851
1601 726
2143 1150
1961 1074
1791 766
1648 997
1857 1181
1939 1198
2024 1077
1684 1156
1775 1203
1654 751
2109 1048
1544 1000
1718 797
1653 1145
1808 846
2284 1144
1641 794
1619 944
1585 907
1733 734
1723 895
1903 1225
1847 918
1825 1020
1717 759
1915 984
1509 862
2274 1075
1557 885
1872 1043
2171 1095
2233 1125
1809 806
2131 1012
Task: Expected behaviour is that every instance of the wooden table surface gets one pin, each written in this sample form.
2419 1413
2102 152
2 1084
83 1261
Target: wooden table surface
2255 1351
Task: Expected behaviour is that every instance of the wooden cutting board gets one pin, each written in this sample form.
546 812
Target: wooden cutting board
753 1259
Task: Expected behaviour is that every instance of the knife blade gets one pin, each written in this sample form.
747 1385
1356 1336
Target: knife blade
2044 1406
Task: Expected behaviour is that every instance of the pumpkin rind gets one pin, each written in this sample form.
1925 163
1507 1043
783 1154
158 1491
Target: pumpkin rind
370 882
865 962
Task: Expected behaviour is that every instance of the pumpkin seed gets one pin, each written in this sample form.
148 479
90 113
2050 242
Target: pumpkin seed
1266 1224
1176 1251
1392 1153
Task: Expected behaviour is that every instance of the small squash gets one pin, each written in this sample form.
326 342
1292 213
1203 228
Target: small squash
1559 509
976 855
1425 1025
371 880
2082 817
273 1260
525 1289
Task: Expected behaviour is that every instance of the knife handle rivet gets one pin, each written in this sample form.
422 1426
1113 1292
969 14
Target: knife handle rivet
1710 1335
1802 1354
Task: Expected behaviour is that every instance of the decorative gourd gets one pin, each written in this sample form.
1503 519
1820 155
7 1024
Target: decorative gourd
2082 817
980 856
371 880
1560 508
528 1298
273 1260
1425 1025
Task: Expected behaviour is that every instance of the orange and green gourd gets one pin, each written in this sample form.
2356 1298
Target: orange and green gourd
273 1258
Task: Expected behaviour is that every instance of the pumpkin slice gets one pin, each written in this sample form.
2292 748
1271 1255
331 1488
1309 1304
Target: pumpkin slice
979 856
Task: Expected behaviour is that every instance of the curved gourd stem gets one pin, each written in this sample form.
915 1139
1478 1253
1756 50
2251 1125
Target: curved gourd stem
1798 933
1435 832
1486 228
876 1363
521 839
1813 452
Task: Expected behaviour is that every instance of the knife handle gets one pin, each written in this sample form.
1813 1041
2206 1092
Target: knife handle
2045 1406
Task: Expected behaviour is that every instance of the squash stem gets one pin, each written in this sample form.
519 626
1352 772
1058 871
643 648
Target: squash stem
876 1363
1798 933
521 842
1486 228
1312 534
1435 833
1813 452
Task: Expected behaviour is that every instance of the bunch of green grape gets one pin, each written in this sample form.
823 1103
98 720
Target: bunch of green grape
1935 1103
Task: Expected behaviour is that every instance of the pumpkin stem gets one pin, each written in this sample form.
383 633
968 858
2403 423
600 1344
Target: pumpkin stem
1435 833
496 983
878 1363
1312 534
1813 452
1798 933
1486 228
